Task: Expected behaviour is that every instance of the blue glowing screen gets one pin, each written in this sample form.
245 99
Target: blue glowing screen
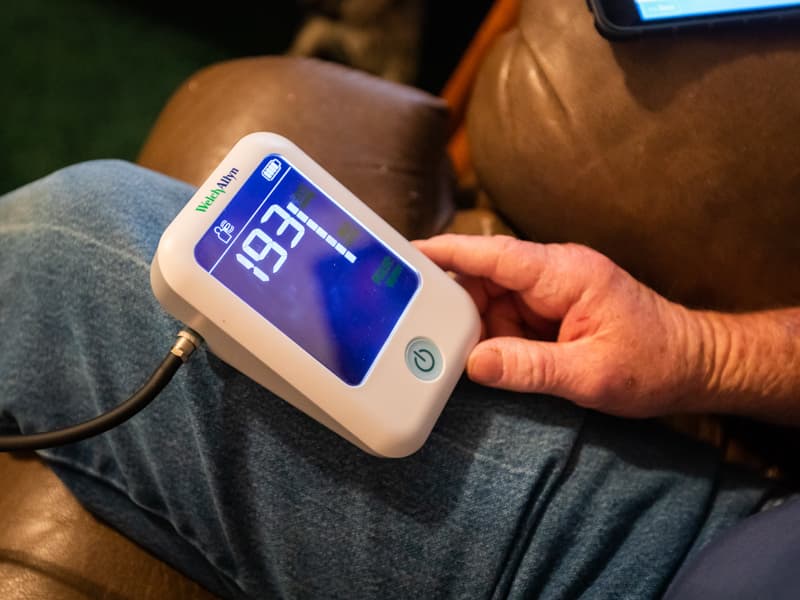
659 9
307 266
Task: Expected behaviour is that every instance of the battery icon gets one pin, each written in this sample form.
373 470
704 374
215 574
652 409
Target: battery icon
272 169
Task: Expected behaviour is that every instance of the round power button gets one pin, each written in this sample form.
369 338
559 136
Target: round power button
423 359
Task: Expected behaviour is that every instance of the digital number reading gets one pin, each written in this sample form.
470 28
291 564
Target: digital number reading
259 236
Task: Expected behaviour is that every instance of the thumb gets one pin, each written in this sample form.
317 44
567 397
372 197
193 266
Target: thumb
526 366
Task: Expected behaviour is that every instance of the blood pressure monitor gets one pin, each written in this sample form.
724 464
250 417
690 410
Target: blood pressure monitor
299 285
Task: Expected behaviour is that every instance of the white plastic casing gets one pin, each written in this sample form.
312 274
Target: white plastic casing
392 412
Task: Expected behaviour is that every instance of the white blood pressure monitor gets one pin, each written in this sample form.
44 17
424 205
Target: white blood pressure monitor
299 285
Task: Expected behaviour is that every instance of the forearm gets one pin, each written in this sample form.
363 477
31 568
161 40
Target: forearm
750 363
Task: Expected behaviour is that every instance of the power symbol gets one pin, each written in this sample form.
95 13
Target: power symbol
424 360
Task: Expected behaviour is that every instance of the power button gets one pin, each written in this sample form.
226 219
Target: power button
423 359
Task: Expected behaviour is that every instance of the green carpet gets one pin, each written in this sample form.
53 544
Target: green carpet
86 79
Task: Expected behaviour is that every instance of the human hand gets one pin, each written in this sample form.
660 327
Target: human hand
565 320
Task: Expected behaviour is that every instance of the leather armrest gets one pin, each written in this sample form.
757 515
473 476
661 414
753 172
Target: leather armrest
384 141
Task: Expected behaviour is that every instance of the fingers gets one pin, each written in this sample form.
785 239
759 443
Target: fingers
526 366
496 258
550 277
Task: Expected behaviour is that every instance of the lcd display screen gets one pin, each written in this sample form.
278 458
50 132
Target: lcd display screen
650 10
303 263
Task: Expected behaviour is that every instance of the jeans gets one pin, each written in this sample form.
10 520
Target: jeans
513 495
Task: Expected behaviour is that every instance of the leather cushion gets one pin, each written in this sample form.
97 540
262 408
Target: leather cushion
677 156
383 140
50 547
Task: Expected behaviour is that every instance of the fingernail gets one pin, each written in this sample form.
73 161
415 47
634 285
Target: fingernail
485 365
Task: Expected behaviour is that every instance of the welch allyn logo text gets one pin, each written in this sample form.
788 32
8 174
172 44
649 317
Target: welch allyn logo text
220 189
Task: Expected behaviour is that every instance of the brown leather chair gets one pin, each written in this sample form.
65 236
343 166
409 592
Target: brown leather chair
677 157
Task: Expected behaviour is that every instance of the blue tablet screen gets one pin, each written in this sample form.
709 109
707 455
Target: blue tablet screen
659 9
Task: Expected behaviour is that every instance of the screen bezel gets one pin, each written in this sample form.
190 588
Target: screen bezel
620 18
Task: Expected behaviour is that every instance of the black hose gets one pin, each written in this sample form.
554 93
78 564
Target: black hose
37 441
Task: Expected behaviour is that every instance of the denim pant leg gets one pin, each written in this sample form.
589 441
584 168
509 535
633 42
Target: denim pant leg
512 496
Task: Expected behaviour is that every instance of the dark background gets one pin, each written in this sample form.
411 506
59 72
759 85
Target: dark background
85 79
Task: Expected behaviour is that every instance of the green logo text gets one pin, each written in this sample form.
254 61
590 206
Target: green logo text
220 189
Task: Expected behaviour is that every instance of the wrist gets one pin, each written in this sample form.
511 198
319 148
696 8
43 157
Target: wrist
698 350
748 364
717 373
